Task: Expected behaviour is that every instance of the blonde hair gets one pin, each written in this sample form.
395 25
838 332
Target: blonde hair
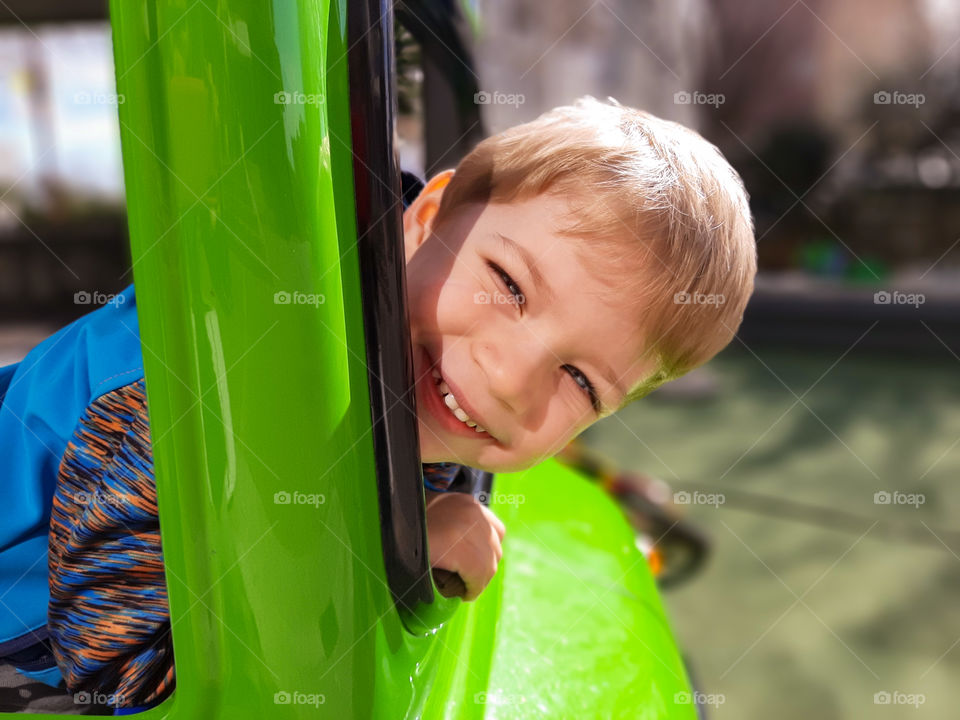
660 209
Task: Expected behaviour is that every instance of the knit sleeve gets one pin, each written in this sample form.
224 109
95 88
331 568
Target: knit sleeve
438 476
108 618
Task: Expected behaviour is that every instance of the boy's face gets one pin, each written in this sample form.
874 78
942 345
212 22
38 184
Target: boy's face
517 367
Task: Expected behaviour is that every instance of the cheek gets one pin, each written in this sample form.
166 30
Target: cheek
561 426
565 423
442 304
422 300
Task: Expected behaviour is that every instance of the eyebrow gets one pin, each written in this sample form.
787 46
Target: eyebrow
517 250
514 248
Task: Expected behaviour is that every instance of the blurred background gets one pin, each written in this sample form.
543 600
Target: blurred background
813 457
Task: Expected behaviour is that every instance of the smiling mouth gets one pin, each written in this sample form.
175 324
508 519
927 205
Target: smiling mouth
451 402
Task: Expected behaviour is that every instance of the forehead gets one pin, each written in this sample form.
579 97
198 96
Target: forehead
586 295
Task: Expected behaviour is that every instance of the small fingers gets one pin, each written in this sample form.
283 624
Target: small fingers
495 521
480 567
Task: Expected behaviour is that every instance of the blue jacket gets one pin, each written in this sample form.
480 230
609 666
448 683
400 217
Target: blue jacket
41 400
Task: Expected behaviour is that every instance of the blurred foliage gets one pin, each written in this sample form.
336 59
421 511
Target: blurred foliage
826 257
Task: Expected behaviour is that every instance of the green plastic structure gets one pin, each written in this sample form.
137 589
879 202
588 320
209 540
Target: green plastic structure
236 139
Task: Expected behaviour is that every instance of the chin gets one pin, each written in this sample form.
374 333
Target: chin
436 453
507 465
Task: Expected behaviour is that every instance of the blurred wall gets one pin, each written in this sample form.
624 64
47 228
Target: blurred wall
639 52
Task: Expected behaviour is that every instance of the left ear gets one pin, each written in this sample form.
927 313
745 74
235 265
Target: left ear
419 216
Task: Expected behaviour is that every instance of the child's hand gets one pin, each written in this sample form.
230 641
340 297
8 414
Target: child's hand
464 537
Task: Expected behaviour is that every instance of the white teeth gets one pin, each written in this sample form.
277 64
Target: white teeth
455 408
451 402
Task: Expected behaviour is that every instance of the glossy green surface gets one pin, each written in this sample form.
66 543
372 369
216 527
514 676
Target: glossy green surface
254 401
260 417
581 631
571 626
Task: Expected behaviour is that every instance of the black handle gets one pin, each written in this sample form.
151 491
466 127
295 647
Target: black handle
386 321
386 327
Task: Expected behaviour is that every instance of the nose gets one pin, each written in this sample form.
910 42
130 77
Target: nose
515 369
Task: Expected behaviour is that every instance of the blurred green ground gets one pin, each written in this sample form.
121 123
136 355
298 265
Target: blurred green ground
882 612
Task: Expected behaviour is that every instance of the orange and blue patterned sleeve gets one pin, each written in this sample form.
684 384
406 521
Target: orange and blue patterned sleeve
439 476
108 616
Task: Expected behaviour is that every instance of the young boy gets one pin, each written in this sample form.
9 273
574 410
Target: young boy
567 267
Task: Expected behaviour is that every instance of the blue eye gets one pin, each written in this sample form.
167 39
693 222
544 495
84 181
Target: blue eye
512 287
587 386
